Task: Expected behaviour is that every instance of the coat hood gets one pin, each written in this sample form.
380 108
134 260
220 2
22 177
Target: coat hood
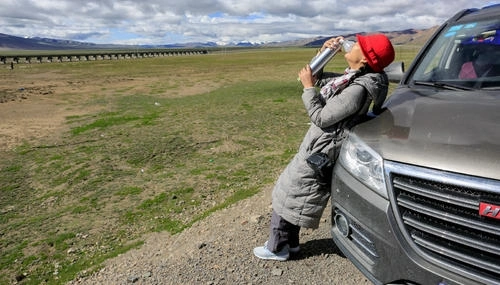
377 86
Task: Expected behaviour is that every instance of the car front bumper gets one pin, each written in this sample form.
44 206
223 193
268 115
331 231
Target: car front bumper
364 228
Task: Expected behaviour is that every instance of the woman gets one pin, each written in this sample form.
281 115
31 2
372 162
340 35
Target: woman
302 191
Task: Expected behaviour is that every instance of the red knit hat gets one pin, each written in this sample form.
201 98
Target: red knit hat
377 50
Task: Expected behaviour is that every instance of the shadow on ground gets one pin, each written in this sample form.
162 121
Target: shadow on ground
318 247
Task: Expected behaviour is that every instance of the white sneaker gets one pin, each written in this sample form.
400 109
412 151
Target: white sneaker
263 252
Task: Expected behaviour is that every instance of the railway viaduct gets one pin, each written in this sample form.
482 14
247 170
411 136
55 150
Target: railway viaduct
97 55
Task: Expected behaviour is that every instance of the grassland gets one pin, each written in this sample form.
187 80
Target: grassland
147 145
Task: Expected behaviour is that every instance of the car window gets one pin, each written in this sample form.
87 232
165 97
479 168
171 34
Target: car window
465 55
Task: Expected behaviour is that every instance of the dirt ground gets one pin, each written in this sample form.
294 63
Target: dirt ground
32 105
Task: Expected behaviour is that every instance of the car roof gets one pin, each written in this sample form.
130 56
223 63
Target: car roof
491 11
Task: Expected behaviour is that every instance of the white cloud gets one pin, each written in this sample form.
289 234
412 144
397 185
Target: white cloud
164 22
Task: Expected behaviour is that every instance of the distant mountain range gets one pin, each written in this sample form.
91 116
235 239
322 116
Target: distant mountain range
9 42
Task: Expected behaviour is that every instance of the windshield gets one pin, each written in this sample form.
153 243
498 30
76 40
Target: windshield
466 56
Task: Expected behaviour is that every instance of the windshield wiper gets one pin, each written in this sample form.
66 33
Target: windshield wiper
442 85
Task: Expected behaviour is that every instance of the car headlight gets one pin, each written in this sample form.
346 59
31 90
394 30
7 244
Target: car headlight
363 163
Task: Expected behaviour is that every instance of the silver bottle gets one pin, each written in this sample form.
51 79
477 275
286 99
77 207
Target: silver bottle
319 61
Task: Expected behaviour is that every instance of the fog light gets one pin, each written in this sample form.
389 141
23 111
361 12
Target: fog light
342 224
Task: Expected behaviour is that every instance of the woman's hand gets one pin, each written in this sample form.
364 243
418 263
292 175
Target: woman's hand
305 76
332 43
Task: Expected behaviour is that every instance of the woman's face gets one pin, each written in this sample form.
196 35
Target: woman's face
355 58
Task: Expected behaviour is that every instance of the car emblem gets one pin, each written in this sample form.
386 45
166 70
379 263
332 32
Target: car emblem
489 210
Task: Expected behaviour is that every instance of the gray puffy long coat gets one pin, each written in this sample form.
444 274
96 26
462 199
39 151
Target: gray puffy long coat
298 196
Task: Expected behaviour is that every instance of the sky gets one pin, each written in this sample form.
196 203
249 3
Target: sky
157 22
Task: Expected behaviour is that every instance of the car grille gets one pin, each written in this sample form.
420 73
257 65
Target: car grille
438 213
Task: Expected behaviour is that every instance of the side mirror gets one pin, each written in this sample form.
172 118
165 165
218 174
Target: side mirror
395 71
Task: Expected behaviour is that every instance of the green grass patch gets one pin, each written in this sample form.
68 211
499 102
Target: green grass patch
165 143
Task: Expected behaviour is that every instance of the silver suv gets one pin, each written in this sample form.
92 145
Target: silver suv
416 190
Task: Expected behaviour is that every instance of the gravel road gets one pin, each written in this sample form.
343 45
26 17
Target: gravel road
218 250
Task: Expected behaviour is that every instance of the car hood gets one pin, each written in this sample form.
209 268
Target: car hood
457 131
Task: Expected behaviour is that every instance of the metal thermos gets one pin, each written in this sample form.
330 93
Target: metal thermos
319 61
